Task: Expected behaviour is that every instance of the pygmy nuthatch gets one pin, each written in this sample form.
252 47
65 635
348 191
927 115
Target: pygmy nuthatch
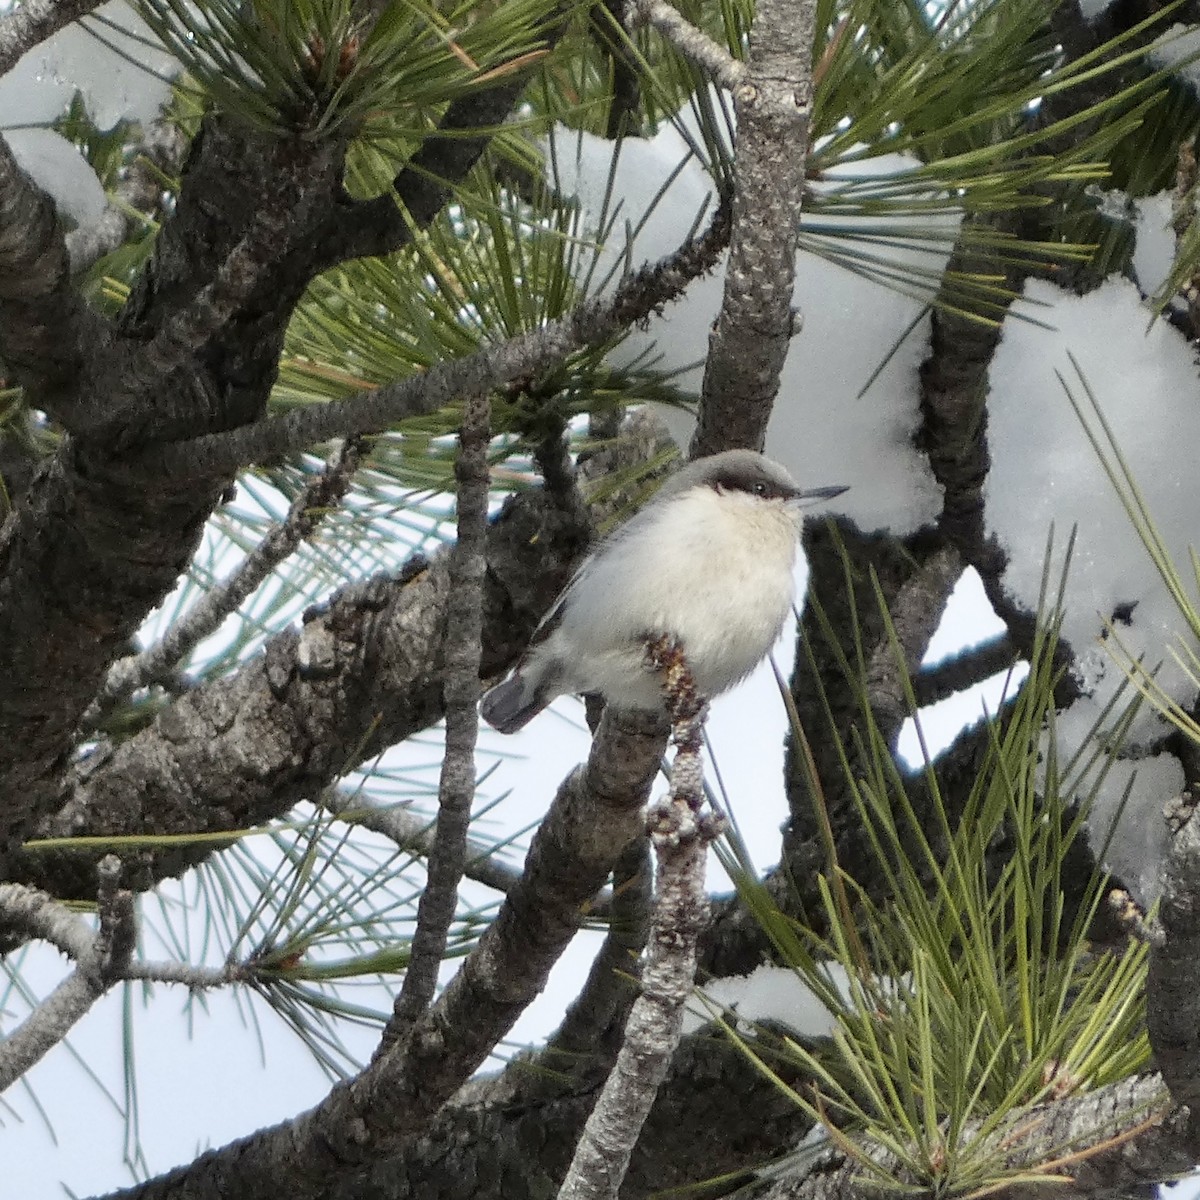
709 562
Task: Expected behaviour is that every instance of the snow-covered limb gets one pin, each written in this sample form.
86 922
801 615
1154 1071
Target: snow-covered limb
592 323
139 190
456 787
596 814
693 43
755 326
324 492
33 22
680 834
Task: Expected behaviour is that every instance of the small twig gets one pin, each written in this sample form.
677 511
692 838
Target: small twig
35 21
100 959
456 791
416 833
318 498
691 42
680 833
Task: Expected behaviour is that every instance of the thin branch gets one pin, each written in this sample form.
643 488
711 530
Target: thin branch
725 70
754 329
592 323
964 670
320 496
101 958
33 23
456 790
47 1025
680 834
416 833
40 916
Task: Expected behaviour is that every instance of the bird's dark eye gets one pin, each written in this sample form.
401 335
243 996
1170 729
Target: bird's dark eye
760 488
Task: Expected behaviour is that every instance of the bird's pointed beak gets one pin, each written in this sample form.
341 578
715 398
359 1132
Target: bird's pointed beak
812 495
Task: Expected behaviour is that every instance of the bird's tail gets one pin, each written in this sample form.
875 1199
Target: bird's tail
511 705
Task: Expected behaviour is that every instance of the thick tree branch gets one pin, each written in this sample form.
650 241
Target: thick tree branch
34 22
1108 1143
364 671
44 327
754 329
597 812
1173 984
456 789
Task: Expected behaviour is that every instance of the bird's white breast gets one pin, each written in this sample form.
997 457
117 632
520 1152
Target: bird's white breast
712 569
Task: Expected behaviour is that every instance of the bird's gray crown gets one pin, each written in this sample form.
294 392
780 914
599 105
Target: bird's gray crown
739 471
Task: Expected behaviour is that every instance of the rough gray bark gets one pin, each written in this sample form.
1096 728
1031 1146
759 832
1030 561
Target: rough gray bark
750 342
34 22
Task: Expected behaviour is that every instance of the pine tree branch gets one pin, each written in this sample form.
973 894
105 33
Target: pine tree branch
681 835
416 834
33 23
590 324
364 672
44 327
591 1031
1111 1142
153 664
1173 983
725 70
597 812
456 790
964 670
101 959
376 227
755 325
139 190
